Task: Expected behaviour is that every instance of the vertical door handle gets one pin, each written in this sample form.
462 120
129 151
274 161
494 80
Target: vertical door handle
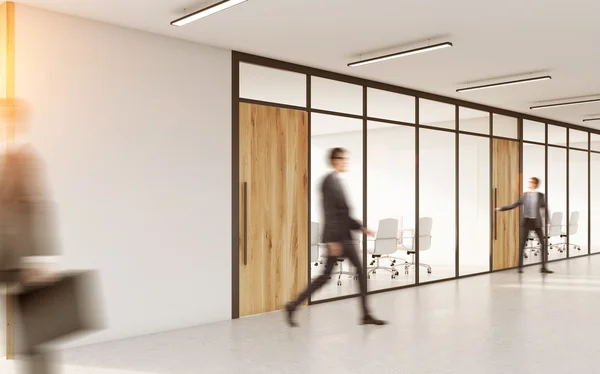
495 214
245 192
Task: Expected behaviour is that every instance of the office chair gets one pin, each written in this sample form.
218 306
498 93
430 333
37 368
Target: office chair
425 228
316 255
316 258
573 228
386 244
553 230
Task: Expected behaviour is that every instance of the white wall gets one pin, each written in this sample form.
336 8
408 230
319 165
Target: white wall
135 130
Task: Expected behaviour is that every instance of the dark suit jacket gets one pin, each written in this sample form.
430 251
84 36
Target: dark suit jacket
338 223
541 204
25 213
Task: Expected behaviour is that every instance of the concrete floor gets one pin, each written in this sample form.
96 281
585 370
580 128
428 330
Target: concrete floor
499 323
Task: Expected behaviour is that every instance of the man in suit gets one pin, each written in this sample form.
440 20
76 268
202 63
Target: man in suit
26 243
338 236
532 203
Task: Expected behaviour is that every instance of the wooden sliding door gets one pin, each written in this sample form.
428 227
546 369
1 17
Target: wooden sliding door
506 190
273 239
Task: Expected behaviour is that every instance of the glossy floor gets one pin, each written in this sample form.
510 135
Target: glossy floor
499 323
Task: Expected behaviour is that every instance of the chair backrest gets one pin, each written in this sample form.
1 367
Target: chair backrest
555 224
425 228
386 240
314 241
574 223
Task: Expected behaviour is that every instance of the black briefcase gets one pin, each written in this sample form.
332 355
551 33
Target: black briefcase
60 309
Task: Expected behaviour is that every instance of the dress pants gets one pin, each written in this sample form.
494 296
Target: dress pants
349 252
528 225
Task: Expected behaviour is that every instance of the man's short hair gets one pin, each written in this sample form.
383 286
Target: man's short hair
535 180
336 154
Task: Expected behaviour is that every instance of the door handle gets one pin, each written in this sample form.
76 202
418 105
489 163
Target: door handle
245 239
495 214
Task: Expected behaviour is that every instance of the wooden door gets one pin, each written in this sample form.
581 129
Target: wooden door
507 189
273 249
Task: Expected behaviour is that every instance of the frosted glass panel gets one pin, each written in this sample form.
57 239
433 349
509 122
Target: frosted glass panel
578 139
436 114
336 96
506 127
272 85
557 135
595 144
390 105
475 121
534 131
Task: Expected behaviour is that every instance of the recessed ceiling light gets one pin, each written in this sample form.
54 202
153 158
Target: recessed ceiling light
501 84
565 104
206 12
400 54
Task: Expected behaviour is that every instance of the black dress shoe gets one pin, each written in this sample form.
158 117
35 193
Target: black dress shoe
290 308
546 271
368 320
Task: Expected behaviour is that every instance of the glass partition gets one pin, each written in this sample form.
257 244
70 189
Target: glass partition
391 106
335 96
534 131
328 132
272 85
474 204
436 114
557 201
595 143
578 203
534 165
578 139
557 135
390 203
474 121
437 245
595 202
505 127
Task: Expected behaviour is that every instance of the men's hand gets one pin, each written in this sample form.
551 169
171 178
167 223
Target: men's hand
335 249
368 232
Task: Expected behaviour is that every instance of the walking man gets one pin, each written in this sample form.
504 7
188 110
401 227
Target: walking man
531 202
337 234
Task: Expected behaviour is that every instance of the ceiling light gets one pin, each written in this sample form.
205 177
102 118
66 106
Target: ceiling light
400 54
501 84
591 119
565 104
206 12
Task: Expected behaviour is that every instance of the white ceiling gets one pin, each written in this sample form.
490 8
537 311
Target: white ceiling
491 40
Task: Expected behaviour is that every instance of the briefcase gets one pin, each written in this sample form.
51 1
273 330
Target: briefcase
68 306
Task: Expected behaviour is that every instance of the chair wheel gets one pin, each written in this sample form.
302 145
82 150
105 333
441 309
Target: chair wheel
339 283
428 271
397 273
374 272
368 277
393 276
316 264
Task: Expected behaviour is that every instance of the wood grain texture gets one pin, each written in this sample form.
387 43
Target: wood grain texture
274 164
7 41
506 179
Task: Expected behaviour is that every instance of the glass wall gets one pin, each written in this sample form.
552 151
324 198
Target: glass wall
390 196
437 204
595 202
474 204
534 165
328 132
452 161
557 201
578 203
